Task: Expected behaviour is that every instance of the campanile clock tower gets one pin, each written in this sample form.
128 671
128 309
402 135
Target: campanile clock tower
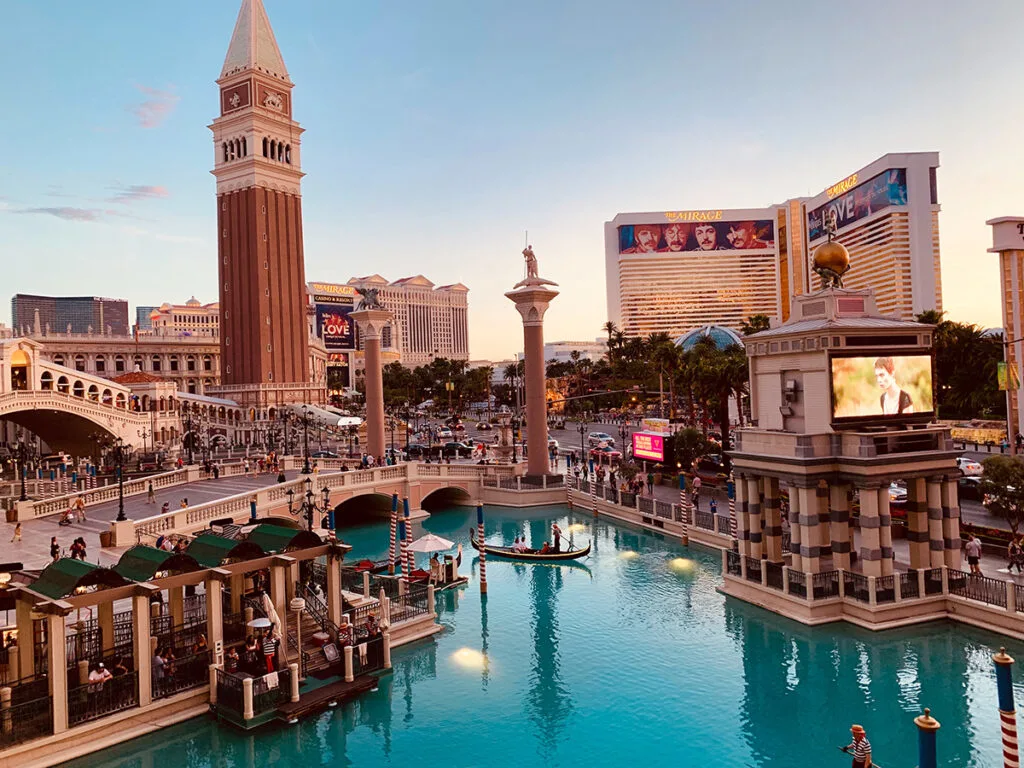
264 356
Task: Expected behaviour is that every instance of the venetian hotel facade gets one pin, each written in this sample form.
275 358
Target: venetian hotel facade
673 271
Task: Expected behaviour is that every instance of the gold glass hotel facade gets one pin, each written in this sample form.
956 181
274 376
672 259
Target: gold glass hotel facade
672 271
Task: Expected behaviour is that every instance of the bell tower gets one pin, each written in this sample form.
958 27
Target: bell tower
264 357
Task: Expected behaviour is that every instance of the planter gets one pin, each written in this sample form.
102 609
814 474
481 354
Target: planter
106 539
12 515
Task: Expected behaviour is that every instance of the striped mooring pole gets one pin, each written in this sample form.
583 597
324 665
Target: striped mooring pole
401 549
730 488
593 494
683 511
409 556
483 553
393 546
1007 711
926 728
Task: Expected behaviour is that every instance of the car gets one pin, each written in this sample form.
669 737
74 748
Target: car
969 487
969 467
460 427
483 426
444 433
455 448
897 494
418 450
595 439
324 455
605 454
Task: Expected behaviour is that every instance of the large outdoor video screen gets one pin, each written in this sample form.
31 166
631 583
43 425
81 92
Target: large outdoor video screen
881 388
697 236
881 191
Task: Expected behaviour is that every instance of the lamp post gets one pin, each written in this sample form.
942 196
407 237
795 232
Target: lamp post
118 447
189 437
515 434
623 434
305 433
144 435
308 506
449 386
22 460
582 428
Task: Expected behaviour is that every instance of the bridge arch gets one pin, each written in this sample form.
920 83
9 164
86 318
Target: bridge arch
366 506
447 496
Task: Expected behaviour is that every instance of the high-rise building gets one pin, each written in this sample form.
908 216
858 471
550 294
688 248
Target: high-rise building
1008 242
143 321
674 271
430 321
193 318
69 314
259 222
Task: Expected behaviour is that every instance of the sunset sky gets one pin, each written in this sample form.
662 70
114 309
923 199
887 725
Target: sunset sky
437 132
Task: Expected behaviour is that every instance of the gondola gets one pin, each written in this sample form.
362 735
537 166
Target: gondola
508 554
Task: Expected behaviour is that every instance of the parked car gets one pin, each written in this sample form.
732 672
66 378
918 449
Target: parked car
897 494
605 455
969 467
595 439
969 487
710 469
324 455
444 433
455 448
483 426
418 450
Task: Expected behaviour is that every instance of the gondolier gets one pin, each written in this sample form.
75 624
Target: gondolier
860 748
557 533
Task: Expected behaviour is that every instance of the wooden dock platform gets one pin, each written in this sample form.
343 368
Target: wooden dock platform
319 698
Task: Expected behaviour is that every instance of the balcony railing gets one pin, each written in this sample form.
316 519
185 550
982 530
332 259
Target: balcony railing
981 588
183 674
855 587
885 590
732 563
825 585
753 569
909 586
91 701
798 583
25 721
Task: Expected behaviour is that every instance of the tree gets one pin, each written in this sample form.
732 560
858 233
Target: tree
966 359
755 324
1002 487
687 445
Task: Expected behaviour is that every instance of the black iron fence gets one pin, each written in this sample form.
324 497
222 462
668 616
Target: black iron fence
933 581
413 603
855 587
798 583
26 720
753 569
266 696
732 563
229 691
885 589
909 586
704 520
725 525
773 574
234 627
85 644
825 585
94 700
183 674
368 656
981 588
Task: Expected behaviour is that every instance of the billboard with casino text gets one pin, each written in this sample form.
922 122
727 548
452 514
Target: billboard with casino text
648 446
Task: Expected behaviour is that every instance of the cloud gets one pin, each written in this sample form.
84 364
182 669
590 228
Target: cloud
66 213
138 192
156 108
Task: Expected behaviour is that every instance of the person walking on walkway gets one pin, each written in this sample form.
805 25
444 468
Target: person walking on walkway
650 483
1013 555
150 494
54 549
16 538
973 550
80 508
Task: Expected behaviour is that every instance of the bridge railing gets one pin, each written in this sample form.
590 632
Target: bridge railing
30 510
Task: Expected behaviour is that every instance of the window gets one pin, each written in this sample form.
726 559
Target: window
80 363
156 362
58 360
138 362
207 363
46 380
101 364
62 384
190 363
119 364
174 362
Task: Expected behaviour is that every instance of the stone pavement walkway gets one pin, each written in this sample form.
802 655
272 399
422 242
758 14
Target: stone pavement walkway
34 549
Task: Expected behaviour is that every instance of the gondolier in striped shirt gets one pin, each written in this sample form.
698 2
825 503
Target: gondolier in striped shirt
860 748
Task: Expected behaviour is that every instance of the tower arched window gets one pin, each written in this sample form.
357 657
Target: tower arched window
273 149
288 154
231 150
265 142
280 151
245 150
225 146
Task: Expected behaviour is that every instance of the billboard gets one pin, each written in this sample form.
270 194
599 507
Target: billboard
705 235
881 388
853 201
648 446
657 426
333 303
338 374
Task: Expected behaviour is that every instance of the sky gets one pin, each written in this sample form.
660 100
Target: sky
438 133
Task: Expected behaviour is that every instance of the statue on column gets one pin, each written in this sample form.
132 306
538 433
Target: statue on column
532 276
368 298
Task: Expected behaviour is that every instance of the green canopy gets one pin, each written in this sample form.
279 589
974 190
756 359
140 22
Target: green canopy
210 550
60 579
274 539
141 563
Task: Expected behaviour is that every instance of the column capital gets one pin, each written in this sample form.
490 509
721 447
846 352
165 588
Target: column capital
532 302
372 321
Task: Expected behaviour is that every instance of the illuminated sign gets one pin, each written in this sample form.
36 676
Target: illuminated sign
886 189
693 215
657 426
648 446
332 289
695 236
842 187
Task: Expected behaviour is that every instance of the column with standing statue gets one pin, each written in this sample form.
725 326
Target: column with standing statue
532 296
372 318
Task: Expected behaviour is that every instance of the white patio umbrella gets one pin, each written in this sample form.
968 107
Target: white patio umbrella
431 543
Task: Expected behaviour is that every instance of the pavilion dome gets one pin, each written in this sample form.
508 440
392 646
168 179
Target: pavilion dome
722 336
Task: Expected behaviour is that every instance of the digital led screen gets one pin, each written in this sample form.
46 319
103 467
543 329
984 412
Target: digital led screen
681 236
881 191
648 446
882 388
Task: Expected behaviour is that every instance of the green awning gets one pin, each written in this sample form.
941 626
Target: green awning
60 579
141 563
274 539
210 550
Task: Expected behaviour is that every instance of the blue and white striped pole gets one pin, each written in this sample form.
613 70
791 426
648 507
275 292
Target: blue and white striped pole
1007 710
392 547
483 553
926 728
409 556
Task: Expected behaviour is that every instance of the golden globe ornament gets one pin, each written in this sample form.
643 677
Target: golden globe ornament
831 262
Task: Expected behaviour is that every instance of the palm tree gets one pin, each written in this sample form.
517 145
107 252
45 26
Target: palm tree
755 324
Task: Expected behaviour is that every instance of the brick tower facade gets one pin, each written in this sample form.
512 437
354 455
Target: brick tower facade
264 355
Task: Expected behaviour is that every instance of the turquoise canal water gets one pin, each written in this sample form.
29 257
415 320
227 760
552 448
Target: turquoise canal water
634 658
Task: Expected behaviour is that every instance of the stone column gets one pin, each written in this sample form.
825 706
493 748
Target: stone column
772 521
839 528
142 647
885 530
334 606
23 659
742 521
936 547
532 302
810 528
824 534
795 538
57 663
176 599
951 524
279 568
917 523
870 544
371 325
754 515
237 584
215 609
105 611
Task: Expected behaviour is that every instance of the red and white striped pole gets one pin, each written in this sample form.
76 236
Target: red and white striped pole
392 546
483 553
1007 710
408 539
684 512
593 494
731 488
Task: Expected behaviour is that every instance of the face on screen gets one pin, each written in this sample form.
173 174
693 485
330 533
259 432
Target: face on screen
707 237
881 387
675 237
647 238
741 234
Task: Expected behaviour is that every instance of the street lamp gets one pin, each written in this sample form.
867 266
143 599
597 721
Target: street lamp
189 437
582 428
623 434
308 506
305 433
144 435
117 445
22 461
515 435
449 386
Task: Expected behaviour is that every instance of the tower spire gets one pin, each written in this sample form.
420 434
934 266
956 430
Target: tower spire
253 46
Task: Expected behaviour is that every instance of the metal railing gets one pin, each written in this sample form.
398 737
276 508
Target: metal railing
753 569
627 499
646 505
982 588
663 509
89 702
725 525
933 581
855 587
885 589
909 587
85 644
1019 594
798 583
235 628
265 698
229 691
773 574
25 721
704 520
368 656
732 563
410 605
825 585
183 674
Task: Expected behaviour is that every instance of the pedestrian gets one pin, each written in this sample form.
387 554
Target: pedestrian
216 471
1013 555
650 483
270 644
54 549
973 550
557 533
860 748
17 534
184 502
150 494
713 505
80 508
165 508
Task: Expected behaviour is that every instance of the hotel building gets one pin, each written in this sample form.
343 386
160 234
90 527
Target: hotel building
1008 242
68 314
677 270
